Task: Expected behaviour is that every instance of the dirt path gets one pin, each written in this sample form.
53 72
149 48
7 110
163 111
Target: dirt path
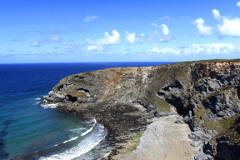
163 140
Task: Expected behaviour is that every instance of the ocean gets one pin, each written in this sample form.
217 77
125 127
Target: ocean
31 131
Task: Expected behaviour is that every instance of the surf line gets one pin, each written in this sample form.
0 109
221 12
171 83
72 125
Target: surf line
83 134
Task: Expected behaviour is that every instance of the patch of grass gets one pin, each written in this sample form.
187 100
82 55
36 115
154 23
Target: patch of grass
74 93
211 95
78 81
199 114
162 104
137 136
132 148
231 133
221 60
226 88
221 125
134 141
89 73
198 81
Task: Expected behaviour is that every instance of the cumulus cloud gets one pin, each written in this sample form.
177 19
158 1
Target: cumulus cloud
238 4
216 14
35 44
132 37
228 26
202 29
154 24
165 34
210 48
107 40
155 36
90 18
165 29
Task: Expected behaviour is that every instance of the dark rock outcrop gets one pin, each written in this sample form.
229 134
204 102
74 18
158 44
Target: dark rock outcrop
206 94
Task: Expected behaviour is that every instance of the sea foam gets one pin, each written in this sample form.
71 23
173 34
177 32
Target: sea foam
53 105
89 130
87 144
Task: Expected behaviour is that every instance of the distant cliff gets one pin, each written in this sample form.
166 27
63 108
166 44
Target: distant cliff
205 93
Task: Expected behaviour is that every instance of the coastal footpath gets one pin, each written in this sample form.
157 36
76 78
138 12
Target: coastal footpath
204 95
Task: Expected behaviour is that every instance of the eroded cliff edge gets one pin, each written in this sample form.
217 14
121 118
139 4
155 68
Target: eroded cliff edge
206 94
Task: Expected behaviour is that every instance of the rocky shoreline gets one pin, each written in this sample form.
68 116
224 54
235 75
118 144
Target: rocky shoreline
205 93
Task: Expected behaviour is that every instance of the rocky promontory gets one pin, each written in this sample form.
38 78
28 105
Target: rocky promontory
204 93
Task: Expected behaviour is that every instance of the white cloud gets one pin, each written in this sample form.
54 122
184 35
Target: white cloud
165 29
107 40
101 44
130 37
140 38
238 4
90 18
165 34
154 36
154 24
35 44
228 26
96 48
166 17
202 29
210 48
216 14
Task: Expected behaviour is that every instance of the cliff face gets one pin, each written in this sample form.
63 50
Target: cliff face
205 93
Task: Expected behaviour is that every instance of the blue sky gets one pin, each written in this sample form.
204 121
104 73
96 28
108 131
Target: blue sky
43 31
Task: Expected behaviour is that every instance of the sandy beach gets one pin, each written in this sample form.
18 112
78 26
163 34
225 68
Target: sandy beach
163 140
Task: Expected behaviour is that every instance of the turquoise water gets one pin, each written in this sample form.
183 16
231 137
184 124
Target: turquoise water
31 131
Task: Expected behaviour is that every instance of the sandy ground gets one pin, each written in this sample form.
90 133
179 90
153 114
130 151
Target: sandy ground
163 140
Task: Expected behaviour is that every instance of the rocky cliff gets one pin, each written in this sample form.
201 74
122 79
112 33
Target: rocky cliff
205 93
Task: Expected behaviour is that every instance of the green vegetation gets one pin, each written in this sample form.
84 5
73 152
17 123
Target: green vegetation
74 93
89 73
134 141
211 95
132 148
162 104
230 133
215 60
221 125
78 81
199 114
221 60
226 88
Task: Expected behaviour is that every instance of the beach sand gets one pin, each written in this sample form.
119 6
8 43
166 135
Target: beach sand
163 140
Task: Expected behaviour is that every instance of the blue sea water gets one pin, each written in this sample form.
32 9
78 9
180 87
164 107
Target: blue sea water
30 131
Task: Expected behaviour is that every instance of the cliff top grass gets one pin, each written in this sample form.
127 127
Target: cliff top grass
215 60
